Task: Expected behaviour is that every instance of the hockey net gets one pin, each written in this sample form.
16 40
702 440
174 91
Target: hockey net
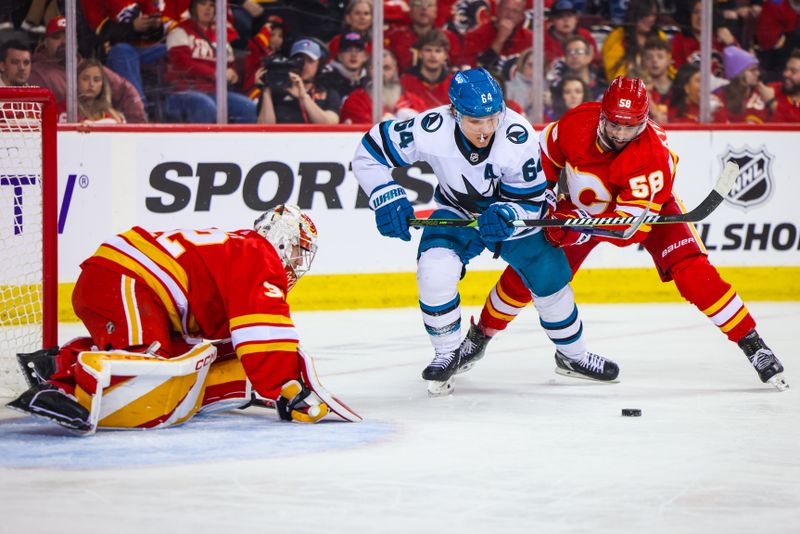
28 232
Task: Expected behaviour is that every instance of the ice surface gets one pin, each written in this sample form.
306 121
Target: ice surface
516 448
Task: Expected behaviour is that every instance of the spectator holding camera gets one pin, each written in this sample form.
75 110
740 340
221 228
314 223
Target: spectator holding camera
347 72
192 54
295 96
267 42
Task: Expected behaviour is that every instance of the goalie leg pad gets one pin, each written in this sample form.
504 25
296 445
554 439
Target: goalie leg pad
124 389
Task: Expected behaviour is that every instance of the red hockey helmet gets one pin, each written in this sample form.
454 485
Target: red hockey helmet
624 110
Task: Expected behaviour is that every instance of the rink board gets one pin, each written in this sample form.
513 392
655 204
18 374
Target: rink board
165 178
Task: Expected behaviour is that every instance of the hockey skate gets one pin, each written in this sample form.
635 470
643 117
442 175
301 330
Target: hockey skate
591 367
37 367
473 348
47 401
440 373
767 365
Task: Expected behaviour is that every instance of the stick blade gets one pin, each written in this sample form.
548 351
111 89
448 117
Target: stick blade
726 179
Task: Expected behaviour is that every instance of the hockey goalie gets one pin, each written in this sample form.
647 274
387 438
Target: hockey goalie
152 301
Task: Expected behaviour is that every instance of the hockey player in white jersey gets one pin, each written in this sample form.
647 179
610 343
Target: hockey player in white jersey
486 159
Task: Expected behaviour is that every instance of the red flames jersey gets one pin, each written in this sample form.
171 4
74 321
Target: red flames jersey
605 182
214 285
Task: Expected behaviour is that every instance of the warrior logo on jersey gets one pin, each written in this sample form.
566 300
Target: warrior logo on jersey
517 134
432 122
753 185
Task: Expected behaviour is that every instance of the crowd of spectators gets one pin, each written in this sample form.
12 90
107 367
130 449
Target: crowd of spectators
308 61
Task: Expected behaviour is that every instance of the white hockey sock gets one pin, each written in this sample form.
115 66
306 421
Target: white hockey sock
559 317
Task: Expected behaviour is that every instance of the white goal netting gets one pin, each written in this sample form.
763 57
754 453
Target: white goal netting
21 237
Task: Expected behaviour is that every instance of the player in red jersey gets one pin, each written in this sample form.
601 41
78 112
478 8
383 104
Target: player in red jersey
148 299
615 160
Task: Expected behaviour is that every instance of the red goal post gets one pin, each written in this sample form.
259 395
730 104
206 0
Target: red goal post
28 226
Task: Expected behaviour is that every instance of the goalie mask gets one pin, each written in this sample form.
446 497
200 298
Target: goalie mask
294 237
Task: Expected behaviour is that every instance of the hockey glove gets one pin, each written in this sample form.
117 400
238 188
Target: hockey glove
561 236
495 223
299 403
392 210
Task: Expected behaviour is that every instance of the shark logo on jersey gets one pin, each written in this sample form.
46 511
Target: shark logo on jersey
754 183
432 122
517 134
472 201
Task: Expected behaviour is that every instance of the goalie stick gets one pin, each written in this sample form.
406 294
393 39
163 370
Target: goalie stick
700 212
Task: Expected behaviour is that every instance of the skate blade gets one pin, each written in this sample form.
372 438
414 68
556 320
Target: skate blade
573 374
441 389
779 382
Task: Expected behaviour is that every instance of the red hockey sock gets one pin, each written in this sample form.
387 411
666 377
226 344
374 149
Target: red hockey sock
699 282
507 298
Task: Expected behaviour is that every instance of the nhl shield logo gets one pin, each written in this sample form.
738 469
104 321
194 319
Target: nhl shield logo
754 183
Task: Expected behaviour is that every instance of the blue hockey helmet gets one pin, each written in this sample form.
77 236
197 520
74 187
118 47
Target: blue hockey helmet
475 93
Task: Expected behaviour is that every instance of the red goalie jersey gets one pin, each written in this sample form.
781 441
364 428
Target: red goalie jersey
605 182
196 284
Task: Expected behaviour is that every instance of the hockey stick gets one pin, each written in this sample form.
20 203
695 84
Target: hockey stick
703 210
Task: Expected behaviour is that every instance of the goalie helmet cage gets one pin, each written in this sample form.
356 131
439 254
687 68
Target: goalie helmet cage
28 228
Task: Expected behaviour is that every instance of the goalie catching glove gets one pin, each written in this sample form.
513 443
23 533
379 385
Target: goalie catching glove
307 401
562 236
298 403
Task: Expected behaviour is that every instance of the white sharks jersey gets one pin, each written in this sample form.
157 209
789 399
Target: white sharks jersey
470 179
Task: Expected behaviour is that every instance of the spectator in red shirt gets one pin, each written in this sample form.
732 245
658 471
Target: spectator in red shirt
746 94
778 32
656 61
400 39
192 51
397 104
686 44
357 18
430 78
563 25
684 98
786 107
487 44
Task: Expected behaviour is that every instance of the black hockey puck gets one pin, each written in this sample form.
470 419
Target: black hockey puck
631 412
